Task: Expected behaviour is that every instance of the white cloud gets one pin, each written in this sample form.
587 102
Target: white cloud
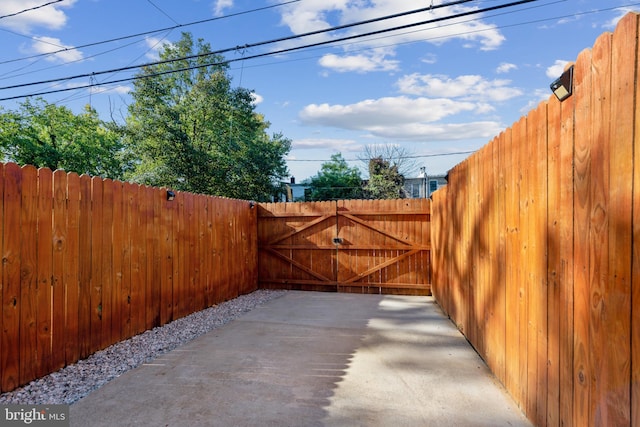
384 111
506 67
220 5
51 17
119 89
154 45
325 143
311 15
465 87
257 99
358 63
556 70
440 132
401 118
43 45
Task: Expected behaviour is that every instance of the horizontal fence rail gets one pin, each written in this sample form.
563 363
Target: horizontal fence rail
88 262
536 246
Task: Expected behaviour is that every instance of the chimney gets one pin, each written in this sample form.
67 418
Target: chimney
293 179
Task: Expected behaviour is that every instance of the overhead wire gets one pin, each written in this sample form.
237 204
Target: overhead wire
30 9
417 156
144 33
258 44
163 12
227 61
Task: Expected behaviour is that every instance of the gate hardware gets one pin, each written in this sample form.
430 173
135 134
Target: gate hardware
337 240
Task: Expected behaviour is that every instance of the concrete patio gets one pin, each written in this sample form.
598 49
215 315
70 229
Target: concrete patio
313 359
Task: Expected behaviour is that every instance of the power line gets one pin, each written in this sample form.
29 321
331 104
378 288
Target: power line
30 9
258 44
163 12
418 156
287 50
145 33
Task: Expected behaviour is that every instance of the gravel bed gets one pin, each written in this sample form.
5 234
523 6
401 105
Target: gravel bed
74 382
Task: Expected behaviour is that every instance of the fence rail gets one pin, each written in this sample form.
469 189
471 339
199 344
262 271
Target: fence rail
88 262
536 246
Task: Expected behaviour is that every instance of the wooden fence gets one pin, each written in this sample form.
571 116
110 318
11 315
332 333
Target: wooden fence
88 262
360 246
537 246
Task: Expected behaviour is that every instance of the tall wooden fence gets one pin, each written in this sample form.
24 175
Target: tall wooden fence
537 246
88 262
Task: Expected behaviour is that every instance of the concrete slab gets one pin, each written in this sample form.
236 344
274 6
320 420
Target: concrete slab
313 359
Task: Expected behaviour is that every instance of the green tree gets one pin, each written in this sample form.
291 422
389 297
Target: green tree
335 181
46 135
385 181
192 131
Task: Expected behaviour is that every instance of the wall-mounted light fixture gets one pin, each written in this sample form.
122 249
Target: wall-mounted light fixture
563 87
170 195
252 205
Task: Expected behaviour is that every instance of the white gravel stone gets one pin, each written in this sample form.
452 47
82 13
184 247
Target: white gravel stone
75 381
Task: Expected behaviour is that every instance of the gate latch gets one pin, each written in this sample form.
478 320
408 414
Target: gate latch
337 240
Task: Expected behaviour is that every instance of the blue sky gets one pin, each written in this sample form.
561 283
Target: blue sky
432 90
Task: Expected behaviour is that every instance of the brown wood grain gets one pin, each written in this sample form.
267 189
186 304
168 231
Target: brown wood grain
10 342
71 276
45 271
28 275
84 268
617 406
59 248
598 243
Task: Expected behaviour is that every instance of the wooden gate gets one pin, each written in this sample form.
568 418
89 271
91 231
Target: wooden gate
362 246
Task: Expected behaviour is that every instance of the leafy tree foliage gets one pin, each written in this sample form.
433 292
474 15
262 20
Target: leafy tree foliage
192 131
385 181
335 181
46 135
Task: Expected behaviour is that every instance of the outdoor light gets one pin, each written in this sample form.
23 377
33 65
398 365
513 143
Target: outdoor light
170 195
252 205
563 87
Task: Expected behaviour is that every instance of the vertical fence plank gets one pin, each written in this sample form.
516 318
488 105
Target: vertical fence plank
582 176
97 253
189 253
499 261
554 265
137 219
71 270
598 220
166 245
198 255
126 285
59 247
635 278
618 291
97 264
45 271
85 265
178 256
540 279
10 358
117 250
565 235
152 276
28 275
